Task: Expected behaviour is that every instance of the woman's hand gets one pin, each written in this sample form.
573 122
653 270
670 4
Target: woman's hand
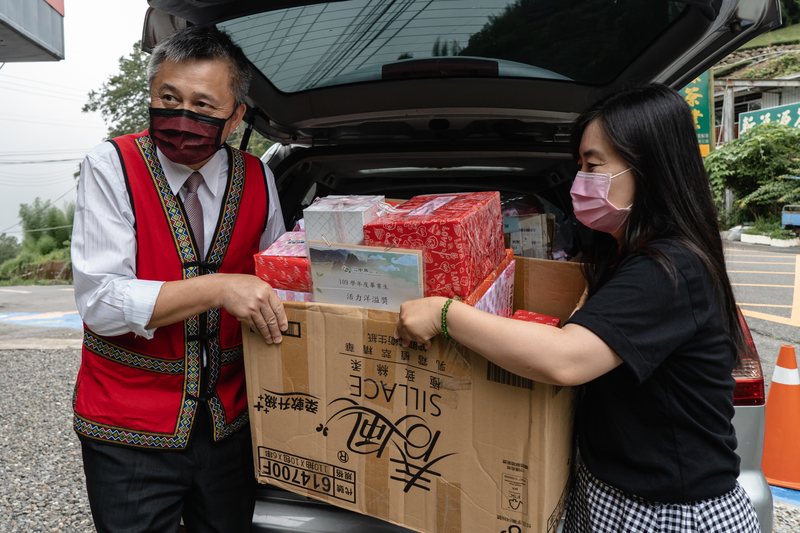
420 321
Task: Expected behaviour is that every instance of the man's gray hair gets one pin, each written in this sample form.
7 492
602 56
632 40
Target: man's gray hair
203 42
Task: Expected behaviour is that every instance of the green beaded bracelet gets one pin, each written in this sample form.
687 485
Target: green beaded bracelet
444 318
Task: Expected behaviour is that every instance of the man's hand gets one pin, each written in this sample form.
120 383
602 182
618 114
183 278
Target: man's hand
246 297
254 303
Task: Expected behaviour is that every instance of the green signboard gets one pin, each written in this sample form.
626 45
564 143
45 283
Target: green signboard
788 115
700 96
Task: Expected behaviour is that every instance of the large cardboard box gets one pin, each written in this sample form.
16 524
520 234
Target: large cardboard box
436 440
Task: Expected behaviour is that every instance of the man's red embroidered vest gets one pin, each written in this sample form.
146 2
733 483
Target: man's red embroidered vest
141 392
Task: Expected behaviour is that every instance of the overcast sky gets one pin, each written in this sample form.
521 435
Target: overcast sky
40 105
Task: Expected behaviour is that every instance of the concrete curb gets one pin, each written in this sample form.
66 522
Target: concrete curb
40 344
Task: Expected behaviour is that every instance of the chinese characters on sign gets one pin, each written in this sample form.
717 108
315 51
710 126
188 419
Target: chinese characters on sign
696 95
375 350
788 115
365 276
273 401
373 433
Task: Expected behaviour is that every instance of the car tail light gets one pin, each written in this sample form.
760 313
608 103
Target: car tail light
748 374
442 67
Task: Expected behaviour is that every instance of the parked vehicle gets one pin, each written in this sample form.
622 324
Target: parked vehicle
790 217
432 96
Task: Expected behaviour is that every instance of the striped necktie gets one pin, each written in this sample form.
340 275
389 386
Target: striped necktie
194 211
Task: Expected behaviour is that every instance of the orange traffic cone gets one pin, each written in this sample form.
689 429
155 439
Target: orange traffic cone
781 460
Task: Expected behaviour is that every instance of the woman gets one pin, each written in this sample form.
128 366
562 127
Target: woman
654 344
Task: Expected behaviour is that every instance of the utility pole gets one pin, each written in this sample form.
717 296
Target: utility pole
728 127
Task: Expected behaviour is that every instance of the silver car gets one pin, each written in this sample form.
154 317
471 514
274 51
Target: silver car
403 97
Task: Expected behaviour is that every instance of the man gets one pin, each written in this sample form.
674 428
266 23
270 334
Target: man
166 225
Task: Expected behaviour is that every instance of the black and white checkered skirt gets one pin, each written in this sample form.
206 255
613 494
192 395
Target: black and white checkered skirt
596 507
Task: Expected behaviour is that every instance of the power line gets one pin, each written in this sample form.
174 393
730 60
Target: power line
42 161
28 231
35 230
43 152
49 123
49 85
12 225
38 92
45 229
63 195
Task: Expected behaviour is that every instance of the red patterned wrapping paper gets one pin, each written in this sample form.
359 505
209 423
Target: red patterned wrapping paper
478 293
461 236
294 296
529 316
284 265
499 298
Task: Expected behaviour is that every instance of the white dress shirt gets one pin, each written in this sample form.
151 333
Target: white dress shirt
110 299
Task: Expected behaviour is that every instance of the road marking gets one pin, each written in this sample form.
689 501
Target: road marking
760 285
785 495
753 252
794 319
771 318
796 298
12 290
40 316
55 319
766 305
756 272
758 263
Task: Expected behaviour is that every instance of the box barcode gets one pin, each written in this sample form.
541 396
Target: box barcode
293 330
501 375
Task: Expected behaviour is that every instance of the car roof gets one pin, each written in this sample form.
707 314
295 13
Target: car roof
360 70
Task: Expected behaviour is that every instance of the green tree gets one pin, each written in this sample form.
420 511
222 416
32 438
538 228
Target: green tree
790 12
9 247
124 101
46 227
256 145
571 37
757 167
437 48
125 98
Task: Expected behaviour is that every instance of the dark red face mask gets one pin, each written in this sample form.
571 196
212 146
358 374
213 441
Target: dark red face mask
184 136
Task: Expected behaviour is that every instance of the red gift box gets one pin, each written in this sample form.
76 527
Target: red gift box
460 235
475 297
284 265
529 316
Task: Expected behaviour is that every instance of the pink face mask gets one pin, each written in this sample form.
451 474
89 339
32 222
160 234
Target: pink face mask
590 201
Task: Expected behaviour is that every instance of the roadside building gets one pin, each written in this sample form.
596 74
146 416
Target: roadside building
31 30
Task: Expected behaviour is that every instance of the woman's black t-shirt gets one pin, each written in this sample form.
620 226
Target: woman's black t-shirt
659 425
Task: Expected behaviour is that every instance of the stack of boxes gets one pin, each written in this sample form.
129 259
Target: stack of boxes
285 267
430 438
460 237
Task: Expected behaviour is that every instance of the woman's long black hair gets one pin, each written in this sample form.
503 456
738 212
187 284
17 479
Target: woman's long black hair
652 128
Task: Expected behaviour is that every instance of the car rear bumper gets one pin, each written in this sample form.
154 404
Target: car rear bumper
749 423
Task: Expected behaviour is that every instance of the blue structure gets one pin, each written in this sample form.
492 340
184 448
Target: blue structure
790 216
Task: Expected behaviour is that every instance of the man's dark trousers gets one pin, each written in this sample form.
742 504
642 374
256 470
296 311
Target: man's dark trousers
211 484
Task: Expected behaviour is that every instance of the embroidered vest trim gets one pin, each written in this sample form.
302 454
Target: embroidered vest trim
197 330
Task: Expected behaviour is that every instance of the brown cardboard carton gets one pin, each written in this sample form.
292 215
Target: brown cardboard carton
436 440
532 235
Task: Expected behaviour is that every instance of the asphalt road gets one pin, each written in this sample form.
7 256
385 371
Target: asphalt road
39 317
766 283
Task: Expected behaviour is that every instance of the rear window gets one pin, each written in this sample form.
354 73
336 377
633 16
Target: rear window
587 41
